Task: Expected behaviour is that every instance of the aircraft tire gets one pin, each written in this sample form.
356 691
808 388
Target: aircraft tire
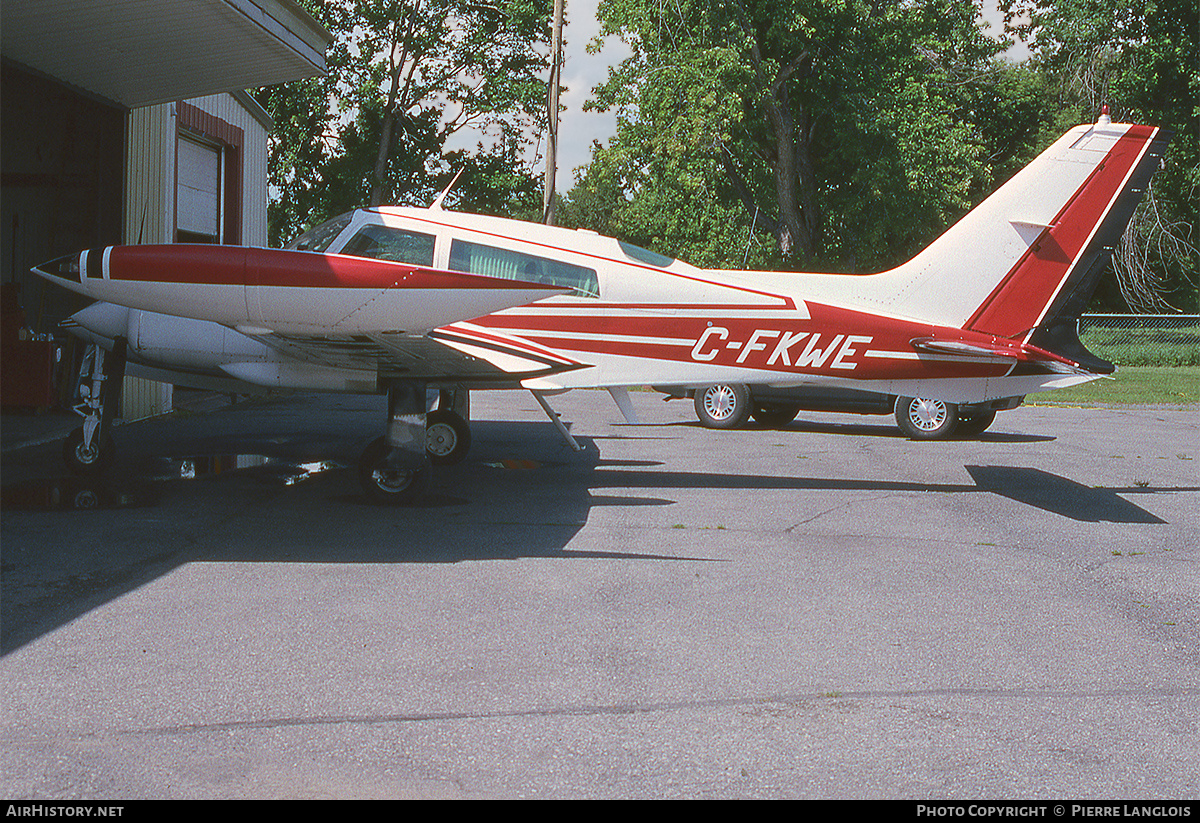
447 437
87 461
775 417
975 423
924 419
723 406
387 485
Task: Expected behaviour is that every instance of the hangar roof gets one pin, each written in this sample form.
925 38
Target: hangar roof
141 52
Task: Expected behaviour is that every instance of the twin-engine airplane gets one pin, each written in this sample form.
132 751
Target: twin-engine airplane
401 300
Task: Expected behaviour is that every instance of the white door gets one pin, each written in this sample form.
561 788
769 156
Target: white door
199 192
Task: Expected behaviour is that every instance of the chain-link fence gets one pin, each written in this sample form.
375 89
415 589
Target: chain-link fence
1143 339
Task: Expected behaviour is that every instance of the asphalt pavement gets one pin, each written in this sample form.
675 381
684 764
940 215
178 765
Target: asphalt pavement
828 610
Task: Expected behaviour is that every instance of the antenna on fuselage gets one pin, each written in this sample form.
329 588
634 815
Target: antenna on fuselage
436 205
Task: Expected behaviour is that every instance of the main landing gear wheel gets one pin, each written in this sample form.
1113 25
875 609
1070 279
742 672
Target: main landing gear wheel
395 468
81 459
975 423
924 419
775 417
447 437
724 406
384 483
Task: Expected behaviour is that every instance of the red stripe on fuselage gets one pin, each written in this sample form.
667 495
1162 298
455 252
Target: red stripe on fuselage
515 344
1018 303
834 341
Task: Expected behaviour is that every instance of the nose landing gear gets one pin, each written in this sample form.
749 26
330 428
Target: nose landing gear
89 449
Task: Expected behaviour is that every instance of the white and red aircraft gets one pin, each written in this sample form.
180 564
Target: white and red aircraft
405 299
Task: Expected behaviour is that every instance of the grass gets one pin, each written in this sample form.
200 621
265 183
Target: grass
1151 346
1131 385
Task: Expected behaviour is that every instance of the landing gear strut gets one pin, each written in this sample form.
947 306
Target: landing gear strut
447 432
89 449
395 468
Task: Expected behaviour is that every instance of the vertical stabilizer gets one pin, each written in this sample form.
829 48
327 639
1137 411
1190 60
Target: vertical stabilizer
1042 296
1024 263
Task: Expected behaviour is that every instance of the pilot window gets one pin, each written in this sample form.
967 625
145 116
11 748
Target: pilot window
387 243
475 258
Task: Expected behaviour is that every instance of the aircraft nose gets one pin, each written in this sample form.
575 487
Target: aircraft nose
60 268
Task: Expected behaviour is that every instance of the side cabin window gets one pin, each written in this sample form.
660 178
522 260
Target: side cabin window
475 258
386 243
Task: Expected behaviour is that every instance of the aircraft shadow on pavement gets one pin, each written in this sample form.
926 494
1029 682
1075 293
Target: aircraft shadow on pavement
1064 497
294 498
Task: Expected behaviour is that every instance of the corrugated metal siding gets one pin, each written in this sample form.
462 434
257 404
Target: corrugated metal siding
149 218
150 201
150 175
145 398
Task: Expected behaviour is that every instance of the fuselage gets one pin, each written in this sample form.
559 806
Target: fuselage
627 317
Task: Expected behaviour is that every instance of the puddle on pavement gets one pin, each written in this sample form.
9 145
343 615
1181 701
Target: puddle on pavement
143 488
75 494
519 465
199 467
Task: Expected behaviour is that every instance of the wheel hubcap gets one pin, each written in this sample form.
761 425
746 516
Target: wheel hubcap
927 415
719 403
392 480
86 455
440 440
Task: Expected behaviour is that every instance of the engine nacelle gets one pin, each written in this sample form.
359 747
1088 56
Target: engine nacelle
168 341
181 342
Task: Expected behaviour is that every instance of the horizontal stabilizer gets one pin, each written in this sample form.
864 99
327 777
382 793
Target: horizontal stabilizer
1011 350
933 344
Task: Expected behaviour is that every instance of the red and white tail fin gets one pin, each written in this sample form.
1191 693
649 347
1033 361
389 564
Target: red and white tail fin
1024 263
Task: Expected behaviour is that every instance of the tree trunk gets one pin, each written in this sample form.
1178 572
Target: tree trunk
379 187
793 179
792 167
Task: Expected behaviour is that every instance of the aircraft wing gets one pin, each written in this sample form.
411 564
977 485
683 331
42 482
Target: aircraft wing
461 353
288 292
337 319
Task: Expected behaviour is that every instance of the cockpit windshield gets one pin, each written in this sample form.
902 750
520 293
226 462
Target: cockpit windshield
320 237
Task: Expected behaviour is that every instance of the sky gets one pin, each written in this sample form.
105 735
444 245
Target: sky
582 72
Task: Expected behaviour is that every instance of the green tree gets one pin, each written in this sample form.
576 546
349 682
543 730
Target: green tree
404 77
1143 61
848 130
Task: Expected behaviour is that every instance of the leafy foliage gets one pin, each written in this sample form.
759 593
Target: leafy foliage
837 135
847 130
1143 60
404 77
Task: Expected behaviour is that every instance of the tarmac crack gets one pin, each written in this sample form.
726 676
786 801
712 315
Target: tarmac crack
620 709
838 507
